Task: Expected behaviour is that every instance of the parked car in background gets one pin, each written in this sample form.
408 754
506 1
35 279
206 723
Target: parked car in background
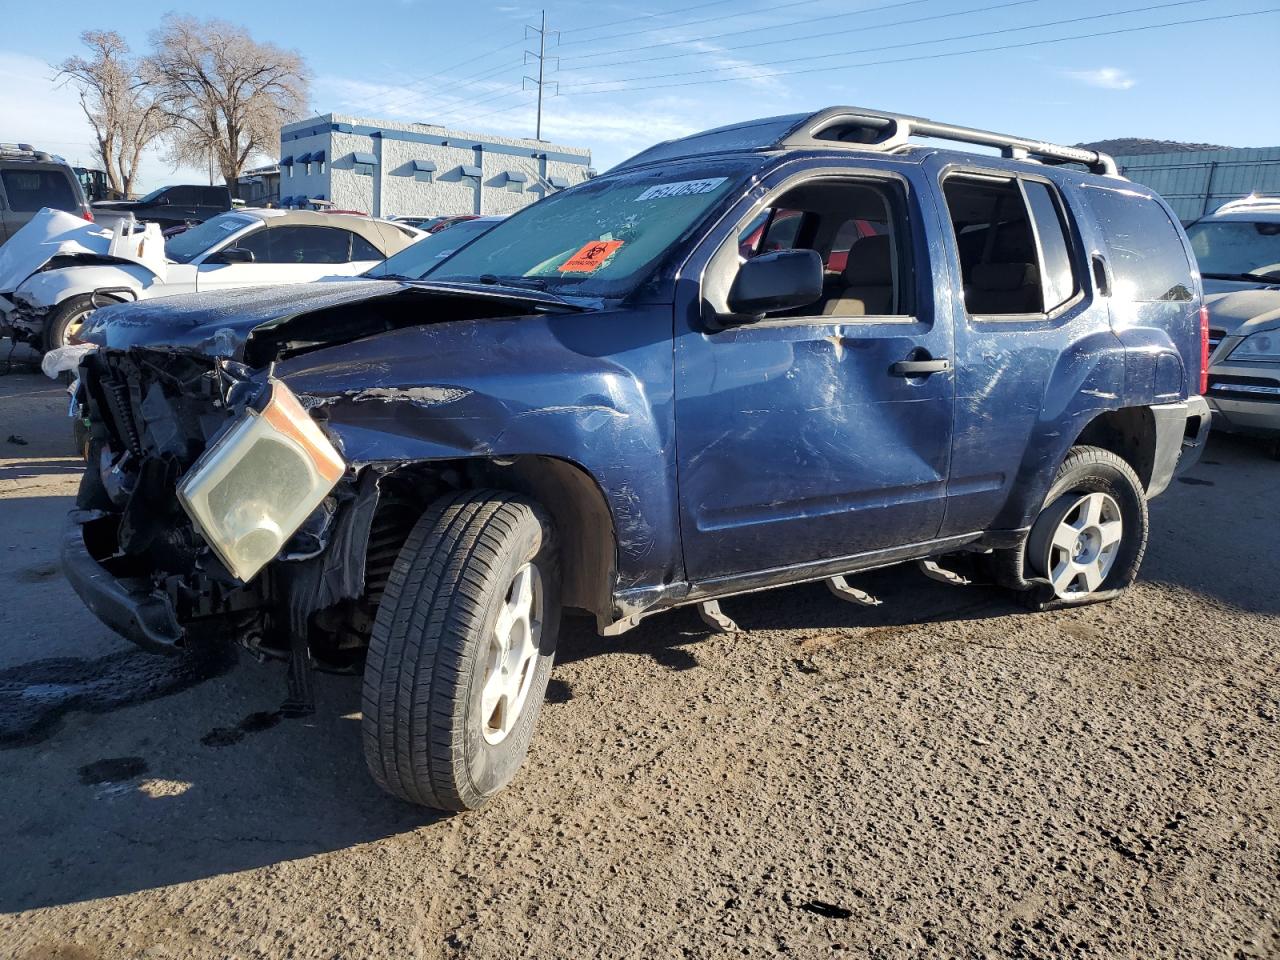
169 206
443 222
419 259
601 404
1238 250
31 180
57 274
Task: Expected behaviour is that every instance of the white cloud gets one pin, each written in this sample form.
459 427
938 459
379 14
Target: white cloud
1106 78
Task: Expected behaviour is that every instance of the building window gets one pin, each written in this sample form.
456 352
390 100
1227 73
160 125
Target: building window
318 159
363 163
470 170
424 171
516 181
558 183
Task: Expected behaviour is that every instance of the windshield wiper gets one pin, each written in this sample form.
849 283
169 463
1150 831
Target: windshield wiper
534 283
1252 277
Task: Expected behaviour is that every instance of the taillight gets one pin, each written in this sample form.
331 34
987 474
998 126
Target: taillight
1204 350
87 214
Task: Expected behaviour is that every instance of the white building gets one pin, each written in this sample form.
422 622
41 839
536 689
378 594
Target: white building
386 168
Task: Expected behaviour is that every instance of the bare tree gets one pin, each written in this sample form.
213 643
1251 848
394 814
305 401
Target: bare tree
225 94
117 100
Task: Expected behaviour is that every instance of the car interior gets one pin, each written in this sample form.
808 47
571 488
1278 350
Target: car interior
852 226
998 259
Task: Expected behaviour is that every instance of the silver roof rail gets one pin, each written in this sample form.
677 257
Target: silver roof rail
865 129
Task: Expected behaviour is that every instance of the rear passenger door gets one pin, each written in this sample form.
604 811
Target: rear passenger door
801 441
1034 350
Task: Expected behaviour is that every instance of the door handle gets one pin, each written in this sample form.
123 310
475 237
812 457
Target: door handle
919 368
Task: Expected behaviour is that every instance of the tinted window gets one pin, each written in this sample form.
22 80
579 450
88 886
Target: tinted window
1148 261
1055 243
30 190
362 249
211 196
298 244
999 261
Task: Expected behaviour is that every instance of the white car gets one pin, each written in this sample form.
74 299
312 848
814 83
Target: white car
57 269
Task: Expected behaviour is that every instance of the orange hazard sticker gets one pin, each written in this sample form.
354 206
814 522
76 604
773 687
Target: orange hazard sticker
591 257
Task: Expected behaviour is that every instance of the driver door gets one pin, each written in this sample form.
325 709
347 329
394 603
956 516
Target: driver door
799 440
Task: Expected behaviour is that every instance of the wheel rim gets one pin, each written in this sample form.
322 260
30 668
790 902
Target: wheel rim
1083 544
512 657
74 326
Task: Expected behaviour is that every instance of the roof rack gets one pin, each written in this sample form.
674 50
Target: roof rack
23 151
866 129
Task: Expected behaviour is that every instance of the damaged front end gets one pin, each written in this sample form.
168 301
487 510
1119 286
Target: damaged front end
201 473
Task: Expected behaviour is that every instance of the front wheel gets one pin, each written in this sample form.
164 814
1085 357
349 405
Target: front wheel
64 321
1091 534
461 650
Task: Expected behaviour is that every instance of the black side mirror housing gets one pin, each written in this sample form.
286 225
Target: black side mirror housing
776 281
234 255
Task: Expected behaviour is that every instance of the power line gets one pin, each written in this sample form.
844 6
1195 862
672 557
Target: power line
648 16
461 63
541 56
899 46
941 55
694 23
808 36
773 26
398 103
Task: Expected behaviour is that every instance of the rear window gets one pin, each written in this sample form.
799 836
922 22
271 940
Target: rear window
31 190
1148 261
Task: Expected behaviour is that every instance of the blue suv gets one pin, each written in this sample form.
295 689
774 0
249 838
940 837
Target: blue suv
781 351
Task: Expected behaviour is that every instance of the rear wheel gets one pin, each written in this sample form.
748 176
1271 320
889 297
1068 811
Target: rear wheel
1091 534
461 650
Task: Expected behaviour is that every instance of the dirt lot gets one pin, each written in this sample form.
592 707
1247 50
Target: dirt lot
941 776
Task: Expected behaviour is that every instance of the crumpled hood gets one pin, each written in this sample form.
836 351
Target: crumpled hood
1229 311
219 322
55 233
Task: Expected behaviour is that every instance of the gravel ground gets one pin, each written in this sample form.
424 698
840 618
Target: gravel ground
944 775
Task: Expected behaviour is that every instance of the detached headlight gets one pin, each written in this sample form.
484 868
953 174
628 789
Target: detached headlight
1259 346
252 489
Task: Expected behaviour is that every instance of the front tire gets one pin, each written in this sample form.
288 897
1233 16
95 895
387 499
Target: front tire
1091 534
64 320
461 650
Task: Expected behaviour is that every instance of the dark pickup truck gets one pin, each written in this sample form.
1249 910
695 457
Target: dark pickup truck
782 351
173 206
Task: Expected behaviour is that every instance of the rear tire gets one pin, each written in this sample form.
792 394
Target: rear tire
461 650
1091 534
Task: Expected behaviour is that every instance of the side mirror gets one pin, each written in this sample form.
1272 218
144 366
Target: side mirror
776 281
234 255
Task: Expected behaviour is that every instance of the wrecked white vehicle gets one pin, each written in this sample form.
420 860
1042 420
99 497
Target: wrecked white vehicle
57 270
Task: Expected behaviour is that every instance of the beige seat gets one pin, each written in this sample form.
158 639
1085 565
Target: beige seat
1003 288
867 281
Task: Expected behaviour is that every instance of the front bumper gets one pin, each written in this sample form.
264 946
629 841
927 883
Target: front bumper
1245 398
130 606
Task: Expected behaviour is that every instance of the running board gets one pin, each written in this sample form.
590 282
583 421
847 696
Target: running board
841 588
715 618
931 570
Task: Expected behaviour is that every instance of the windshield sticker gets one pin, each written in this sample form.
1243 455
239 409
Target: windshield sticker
591 257
684 188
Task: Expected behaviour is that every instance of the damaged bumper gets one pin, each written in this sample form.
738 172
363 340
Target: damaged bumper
131 607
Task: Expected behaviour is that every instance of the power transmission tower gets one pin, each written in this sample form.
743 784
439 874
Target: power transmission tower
541 56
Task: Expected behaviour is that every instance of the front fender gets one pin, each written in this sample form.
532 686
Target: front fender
45 290
591 389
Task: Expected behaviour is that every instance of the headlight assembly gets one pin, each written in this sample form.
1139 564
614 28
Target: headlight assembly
1259 346
252 489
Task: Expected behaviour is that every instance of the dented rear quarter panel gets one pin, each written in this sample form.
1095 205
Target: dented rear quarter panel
593 389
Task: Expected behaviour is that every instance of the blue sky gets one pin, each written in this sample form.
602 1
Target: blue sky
459 64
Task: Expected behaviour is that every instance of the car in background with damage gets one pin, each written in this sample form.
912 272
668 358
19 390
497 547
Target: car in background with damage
1238 250
58 270
606 405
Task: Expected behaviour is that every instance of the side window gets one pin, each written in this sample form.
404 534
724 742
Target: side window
30 190
298 244
1148 261
999 261
362 249
859 230
181 196
1055 243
